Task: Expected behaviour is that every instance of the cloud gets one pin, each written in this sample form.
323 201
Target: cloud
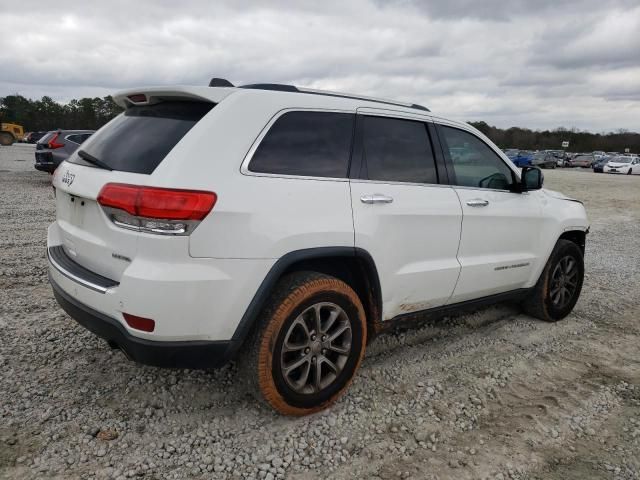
536 64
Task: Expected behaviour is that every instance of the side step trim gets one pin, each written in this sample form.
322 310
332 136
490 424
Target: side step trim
73 271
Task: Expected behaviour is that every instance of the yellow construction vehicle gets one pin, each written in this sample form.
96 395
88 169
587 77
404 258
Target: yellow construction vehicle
10 132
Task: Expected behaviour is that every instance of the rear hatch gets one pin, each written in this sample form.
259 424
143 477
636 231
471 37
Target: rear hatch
125 151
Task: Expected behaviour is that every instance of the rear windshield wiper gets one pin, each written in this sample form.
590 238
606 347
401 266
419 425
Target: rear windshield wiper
87 157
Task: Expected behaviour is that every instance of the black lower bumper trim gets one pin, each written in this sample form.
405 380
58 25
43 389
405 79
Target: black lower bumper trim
182 354
43 167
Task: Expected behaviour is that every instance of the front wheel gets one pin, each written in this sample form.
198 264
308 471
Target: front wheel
6 139
308 344
559 285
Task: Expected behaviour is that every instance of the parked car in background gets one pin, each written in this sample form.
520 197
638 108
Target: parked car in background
34 137
55 147
544 160
521 158
623 164
584 160
511 152
598 165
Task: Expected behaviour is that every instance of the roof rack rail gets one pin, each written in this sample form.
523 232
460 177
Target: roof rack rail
280 87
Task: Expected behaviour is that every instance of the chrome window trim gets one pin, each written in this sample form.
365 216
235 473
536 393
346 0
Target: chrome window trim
244 168
409 184
390 113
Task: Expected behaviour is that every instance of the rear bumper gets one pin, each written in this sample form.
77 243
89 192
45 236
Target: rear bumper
45 161
170 354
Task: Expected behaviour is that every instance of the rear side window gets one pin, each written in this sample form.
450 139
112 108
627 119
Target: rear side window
314 144
46 137
78 138
140 138
397 150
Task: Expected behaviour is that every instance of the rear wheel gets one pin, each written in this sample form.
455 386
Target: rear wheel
559 286
308 345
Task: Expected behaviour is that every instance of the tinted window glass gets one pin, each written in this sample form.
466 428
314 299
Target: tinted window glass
398 151
475 164
315 144
46 137
75 139
139 139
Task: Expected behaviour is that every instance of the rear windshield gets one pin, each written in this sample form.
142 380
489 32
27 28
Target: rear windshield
45 138
140 138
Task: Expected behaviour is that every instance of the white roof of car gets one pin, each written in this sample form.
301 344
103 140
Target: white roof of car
216 94
284 96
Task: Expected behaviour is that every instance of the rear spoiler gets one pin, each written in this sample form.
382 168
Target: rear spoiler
152 95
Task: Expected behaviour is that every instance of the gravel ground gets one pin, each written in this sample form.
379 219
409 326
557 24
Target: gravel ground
494 394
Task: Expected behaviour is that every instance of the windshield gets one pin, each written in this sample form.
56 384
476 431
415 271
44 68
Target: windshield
140 138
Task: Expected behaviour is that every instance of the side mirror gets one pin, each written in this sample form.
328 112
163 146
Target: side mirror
531 179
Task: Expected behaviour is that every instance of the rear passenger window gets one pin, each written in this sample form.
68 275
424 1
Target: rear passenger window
314 144
397 150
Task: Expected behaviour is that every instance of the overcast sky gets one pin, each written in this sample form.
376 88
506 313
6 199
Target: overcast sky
530 63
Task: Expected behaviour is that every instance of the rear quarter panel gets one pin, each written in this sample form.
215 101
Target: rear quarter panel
256 216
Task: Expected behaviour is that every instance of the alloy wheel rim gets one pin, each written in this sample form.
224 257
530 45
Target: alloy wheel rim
564 282
316 348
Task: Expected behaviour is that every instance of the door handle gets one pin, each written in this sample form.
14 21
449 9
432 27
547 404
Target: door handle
478 202
376 198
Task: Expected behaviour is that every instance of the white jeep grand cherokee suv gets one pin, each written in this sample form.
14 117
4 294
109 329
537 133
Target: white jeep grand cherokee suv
284 228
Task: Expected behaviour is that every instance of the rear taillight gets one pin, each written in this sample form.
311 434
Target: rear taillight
155 210
53 143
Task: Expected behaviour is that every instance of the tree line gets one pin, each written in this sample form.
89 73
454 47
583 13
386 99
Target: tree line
47 114
92 113
579 141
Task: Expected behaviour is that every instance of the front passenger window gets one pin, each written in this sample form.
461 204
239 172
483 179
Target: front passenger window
475 164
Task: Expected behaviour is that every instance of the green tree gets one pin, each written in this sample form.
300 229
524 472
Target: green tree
47 114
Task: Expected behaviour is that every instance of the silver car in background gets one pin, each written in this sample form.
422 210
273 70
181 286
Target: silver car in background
56 146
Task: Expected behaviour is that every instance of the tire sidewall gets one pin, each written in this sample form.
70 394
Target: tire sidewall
270 381
561 251
309 401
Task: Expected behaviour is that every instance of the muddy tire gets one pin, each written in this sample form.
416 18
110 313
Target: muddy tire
560 283
307 345
6 139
